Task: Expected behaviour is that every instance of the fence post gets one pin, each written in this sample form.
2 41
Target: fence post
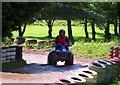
18 52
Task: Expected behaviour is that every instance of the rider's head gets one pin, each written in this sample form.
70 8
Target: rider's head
62 32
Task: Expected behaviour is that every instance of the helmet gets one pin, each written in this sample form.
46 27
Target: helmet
62 30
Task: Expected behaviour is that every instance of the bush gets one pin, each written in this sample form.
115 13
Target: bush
7 41
92 49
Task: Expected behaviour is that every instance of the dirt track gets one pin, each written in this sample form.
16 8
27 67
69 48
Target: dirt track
37 71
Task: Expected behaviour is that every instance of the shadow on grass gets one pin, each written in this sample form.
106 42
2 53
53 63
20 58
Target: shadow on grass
84 39
99 34
103 35
102 39
39 38
76 38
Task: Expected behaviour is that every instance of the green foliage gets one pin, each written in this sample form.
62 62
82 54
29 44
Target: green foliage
43 46
40 22
16 14
60 23
92 49
7 41
6 20
116 81
31 46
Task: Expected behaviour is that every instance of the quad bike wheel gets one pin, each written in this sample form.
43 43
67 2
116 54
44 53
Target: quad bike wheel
52 59
69 60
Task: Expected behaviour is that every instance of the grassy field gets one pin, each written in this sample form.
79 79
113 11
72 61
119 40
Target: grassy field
83 47
40 32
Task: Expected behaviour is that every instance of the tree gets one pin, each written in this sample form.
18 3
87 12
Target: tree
87 16
108 10
18 14
21 32
70 31
25 14
48 14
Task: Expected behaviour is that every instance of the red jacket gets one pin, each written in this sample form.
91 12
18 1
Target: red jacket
61 40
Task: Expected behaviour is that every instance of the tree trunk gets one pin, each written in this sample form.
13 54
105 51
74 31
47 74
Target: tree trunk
50 29
93 30
70 31
86 32
115 28
21 32
107 33
50 24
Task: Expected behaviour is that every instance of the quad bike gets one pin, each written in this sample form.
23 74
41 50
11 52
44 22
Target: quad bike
61 54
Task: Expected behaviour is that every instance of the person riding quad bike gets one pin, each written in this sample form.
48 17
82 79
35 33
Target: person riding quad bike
61 51
61 39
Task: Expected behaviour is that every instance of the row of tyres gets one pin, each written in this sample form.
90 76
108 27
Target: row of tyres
8 54
11 53
106 70
97 72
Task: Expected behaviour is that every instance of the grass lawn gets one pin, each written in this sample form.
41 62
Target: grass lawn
40 32
13 64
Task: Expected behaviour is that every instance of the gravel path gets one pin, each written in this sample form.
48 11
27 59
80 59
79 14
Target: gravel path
37 70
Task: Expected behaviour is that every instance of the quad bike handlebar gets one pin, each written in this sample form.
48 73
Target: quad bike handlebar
67 44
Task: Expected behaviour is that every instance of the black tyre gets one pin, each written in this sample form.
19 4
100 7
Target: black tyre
69 60
52 59
49 60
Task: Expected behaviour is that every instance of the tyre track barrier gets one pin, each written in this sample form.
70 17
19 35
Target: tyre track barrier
100 69
97 72
114 67
90 72
89 78
78 79
108 72
71 80
11 53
